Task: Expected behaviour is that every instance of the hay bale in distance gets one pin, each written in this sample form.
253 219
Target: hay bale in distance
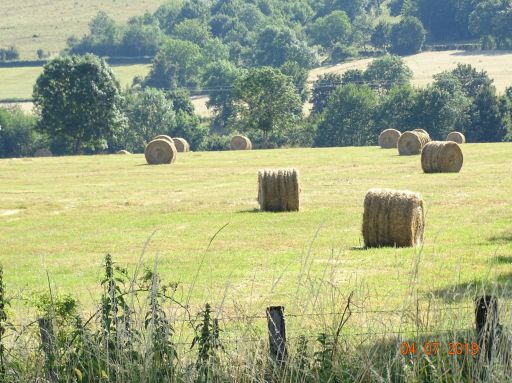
441 157
422 131
181 145
411 143
388 139
457 137
240 143
164 137
123 152
279 190
393 218
43 153
160 151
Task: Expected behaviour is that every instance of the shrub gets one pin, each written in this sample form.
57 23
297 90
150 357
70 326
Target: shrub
408 36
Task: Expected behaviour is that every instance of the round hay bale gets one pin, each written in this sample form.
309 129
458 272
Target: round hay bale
393 218
441 157
163 137
181 145
388 139
422 131
411 143
43 153
240 143
457 137
123 152
160 151
278 190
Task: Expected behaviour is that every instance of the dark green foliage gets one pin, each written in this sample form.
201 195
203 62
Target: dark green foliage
397 109
348 117
381 36
341 52
395 7
322 89
18 135
10 53
492 19
299 77
78 101
141 40
267 104
331 29
407 37
386 72
176 65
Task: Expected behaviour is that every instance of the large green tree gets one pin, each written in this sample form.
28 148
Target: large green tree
78 101
267 104
331 29
348 118
385 72
407 37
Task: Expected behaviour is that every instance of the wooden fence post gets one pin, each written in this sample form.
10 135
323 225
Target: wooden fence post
277 333
47 343
487 323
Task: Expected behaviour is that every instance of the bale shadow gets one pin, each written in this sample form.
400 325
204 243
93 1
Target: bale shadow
253 210
500 287
502 238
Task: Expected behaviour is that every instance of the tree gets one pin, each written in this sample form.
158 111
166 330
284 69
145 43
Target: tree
219 79
385 72
267 104
299 77
331 29
353 8
176 64
18 135
149 113
348 118
141 40
397 108
192 30
471 80
78 101
276 45
408 36
322 89
381 36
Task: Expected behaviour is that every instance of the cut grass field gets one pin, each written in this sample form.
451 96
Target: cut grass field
34 24
62 215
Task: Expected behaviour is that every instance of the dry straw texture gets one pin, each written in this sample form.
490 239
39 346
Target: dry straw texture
240 143
388 139
393 218
123 152
442 157
279 190
457 137
164 137
181 145
43 153
422 131
411 143
159 152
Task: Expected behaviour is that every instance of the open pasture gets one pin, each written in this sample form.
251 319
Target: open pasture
62 215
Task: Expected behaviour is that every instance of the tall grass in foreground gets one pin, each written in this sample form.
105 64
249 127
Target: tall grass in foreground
143 330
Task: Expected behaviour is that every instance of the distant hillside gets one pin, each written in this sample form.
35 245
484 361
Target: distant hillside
34 24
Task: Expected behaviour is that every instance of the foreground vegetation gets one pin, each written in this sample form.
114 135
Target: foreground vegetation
55 232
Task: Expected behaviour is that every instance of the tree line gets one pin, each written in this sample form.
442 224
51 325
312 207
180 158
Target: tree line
80 108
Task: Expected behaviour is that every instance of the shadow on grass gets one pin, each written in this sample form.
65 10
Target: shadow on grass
253 210
500 287
502 260
502 239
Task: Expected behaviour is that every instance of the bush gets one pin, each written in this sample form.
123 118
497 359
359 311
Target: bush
10 53
217 142
408 36
342 52
18 136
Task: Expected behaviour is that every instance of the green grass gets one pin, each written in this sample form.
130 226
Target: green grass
34 24
62 215
19 82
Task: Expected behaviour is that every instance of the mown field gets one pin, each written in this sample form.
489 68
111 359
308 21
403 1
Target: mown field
46 24
62 215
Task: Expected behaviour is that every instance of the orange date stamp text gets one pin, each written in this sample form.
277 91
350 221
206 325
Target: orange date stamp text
435 348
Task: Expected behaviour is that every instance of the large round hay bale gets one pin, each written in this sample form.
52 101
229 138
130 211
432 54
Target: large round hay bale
393 218
422 131
278 190
457 137
411 143
43 153
388 139
240 143
123 152
441 157
160 151
181 145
